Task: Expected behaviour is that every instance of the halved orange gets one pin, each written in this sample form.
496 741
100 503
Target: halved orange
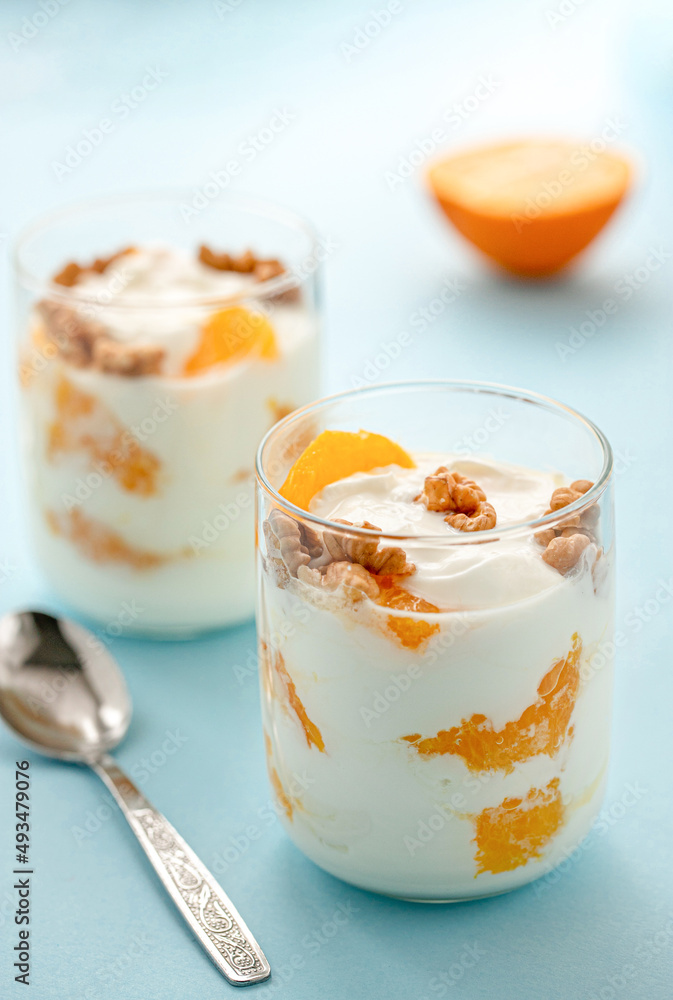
229 335
532 205
334 455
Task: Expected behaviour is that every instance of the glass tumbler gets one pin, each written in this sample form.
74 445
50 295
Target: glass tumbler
157 344
445 749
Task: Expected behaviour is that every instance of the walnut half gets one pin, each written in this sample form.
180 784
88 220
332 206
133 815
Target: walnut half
463 501
388 560
564 544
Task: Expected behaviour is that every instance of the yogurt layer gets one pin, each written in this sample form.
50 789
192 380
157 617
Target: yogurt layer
453 576
447 753
141 487
172 280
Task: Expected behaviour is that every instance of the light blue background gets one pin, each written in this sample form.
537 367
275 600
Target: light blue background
102 927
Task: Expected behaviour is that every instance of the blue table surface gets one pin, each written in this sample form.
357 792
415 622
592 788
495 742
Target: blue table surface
600 928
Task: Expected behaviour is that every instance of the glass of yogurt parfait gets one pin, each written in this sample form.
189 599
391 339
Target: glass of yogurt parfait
435 616
157 346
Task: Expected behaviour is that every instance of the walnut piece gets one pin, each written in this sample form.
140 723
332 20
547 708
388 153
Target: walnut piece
464 501
73 334
562 497
73 271
132 360
351 575
581 485
449 491
84 342
247 263
386 561
483 518
564 552
565 543
297 543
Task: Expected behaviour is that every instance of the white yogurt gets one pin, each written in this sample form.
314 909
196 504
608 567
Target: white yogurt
370 809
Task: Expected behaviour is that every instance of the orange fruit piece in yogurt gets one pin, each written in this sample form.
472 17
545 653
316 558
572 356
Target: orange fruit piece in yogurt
411 632
83 424
541 728
230 335
99 543
512 833
335 455
278 682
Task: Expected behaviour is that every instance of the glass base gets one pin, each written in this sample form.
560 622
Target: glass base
154 633
458 899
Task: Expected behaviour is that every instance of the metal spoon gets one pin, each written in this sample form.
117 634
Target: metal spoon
63 694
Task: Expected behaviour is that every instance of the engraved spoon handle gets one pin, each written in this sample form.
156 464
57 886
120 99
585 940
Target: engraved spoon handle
205 907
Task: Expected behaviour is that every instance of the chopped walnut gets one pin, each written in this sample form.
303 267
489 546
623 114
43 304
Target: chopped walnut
569 532
132 360
297 543
562 497
351 575
581 485
482 519
449 491
73 271
464 501
70 331
565 543
387 561
84 342
564 552
247 263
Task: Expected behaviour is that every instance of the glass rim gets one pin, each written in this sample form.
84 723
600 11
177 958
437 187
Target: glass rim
269 288
460 537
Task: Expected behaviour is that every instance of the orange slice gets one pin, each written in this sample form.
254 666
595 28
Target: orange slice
229 335
542 727
83 425
99 543
531 206
411 632
516 831
335 455
273 665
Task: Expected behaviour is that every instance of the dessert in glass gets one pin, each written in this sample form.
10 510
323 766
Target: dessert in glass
153 357
435 629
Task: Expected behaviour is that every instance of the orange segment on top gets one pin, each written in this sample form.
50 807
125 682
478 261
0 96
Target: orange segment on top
230 335
335 455
531 206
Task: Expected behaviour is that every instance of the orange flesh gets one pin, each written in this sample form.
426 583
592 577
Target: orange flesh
276 663
510 834
274 778
335 455
280 791
531 206
411 632
542 728
99 543
230 335
83 424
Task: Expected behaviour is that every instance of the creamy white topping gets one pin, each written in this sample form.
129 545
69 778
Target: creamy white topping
161 276
475 575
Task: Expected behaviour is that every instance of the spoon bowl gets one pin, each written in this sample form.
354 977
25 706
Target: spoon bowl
60 689
62 693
